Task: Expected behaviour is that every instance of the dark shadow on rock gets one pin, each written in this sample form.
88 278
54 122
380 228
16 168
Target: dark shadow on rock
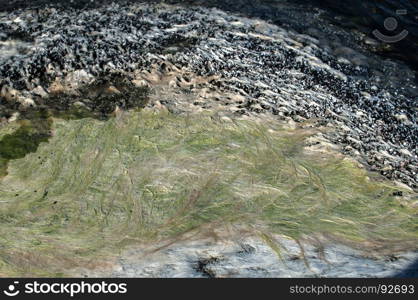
409 272
97 100
31 133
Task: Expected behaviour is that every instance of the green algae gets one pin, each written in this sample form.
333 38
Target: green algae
145 176
24 140
20 143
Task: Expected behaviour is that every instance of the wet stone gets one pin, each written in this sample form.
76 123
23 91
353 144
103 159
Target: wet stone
87 56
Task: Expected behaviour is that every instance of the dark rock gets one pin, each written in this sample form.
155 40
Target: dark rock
276 69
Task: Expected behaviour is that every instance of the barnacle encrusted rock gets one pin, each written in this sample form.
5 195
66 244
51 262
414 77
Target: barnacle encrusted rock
51 56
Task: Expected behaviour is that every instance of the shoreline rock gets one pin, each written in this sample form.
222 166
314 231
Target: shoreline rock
252 257
256 67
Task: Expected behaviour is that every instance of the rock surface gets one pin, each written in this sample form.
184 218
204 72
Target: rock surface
103 58
250 66
252 257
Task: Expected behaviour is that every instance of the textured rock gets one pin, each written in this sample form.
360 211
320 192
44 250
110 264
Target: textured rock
102 58
252 257
249 66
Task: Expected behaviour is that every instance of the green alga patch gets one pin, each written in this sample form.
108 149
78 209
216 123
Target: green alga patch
146 176
23 140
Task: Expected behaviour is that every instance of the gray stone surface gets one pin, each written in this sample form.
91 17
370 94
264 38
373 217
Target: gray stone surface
320 73
245 65
251 257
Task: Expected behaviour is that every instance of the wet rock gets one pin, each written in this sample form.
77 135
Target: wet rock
227 258
293 71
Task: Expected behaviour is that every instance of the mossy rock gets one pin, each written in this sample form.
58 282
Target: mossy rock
147 176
